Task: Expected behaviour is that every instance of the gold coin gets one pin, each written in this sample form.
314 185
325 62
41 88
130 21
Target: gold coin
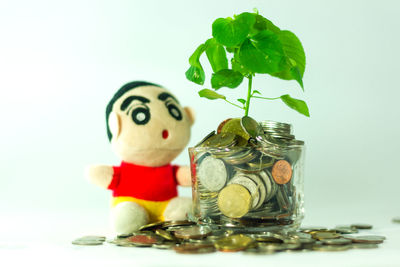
151 226
233 243
321 235
193 248
233 126
164 234
221 140
332 248
234 201
282 172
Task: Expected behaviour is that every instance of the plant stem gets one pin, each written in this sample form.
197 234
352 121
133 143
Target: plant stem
248 96
234 104
268 98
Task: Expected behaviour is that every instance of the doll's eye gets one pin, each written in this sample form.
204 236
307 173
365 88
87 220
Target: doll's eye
140 115
174 112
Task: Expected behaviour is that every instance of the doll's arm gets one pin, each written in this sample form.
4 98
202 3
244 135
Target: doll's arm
183 176
100 175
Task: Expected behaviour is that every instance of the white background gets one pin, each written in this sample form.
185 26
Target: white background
61 62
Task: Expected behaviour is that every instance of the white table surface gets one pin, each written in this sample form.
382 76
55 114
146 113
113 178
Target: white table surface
44 239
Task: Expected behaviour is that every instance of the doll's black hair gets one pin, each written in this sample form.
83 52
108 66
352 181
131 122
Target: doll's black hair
127 87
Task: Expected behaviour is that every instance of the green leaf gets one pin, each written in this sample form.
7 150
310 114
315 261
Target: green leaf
241 100
226 78
210 94
256 92
216 55
296 104
262 24
238 66
261 54
196 73
231 32
294 63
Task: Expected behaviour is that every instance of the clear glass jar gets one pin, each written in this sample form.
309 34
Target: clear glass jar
258 186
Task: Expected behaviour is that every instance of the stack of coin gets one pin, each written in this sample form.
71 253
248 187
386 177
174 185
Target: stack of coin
187 238
255 179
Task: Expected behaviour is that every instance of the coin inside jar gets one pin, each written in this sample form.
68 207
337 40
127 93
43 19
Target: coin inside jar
251 126
234 201
282 172
212 173
221 140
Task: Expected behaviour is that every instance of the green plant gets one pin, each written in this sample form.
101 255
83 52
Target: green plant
255 46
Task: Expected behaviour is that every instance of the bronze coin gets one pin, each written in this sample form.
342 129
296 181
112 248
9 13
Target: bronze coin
282 172
222 125
194 248
142 240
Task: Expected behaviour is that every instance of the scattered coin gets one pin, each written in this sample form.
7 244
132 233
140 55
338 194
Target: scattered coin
332 248
362 226
321 235
88 241
142 240
342 229
164 245
151 226
336 241
364 246
282 172
233 243
165 234
191 240
367 239
190 248
193 232
168 224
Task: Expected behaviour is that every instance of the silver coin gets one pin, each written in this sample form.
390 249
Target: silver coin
212 173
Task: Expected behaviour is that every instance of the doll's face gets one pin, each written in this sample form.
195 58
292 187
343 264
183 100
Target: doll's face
149 127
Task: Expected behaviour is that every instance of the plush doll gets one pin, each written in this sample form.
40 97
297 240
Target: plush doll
147 128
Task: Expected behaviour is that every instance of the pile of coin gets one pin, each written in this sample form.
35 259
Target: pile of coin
248 173
189 238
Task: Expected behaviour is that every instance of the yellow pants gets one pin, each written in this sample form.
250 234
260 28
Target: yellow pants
155 209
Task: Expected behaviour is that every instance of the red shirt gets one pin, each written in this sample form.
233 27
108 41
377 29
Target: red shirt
147 183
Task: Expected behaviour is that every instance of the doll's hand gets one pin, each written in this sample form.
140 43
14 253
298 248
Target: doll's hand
100 175
183 176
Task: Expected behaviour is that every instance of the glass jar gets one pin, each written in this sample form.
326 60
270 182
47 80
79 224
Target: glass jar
258 186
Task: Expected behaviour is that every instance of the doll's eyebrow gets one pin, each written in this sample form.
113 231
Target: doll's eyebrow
131 98
164 96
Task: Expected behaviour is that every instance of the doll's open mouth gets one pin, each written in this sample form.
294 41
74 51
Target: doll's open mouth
165 134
